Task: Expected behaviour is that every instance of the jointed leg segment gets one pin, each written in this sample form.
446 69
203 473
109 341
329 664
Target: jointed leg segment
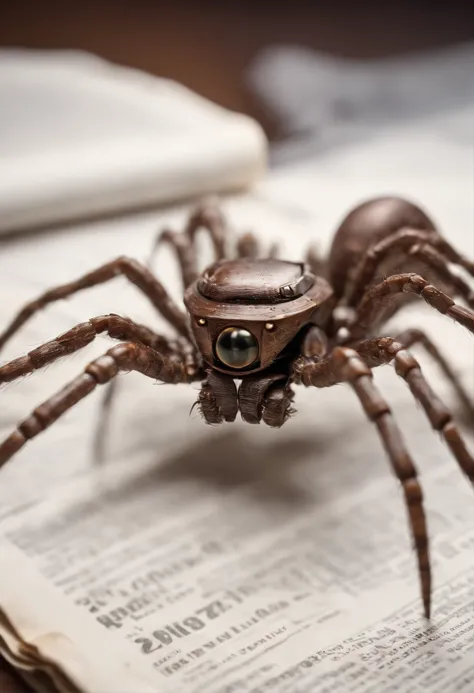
345 365
185 252
207 217
438 414
376 352
427 246
412 337
80 336
131 269
248 246
121 358
377 298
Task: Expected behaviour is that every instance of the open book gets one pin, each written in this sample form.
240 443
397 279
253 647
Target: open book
236 559
81 137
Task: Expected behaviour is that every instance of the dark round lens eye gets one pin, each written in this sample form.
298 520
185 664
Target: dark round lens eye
236 347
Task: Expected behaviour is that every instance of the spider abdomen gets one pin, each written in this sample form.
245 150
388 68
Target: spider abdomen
366 225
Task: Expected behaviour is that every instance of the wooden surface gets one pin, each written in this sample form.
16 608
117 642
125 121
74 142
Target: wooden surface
207 46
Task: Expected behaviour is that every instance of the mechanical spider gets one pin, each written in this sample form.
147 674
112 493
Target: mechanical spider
271 324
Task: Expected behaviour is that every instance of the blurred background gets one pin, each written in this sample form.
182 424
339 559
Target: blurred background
208 46
215 49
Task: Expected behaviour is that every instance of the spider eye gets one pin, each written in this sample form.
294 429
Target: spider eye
236 347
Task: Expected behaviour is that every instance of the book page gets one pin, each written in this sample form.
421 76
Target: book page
240 558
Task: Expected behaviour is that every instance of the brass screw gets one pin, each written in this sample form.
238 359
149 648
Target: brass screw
269 326
202 322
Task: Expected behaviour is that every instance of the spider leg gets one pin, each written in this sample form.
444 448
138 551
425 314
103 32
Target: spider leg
345 365
183 245
248 246
80 336
414 336
180 350
376 352
427 246
370 312
440 267
103 422
127 356
408 368
131 269
185 252
207 217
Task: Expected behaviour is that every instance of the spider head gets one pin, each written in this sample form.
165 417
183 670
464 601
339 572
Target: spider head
244 313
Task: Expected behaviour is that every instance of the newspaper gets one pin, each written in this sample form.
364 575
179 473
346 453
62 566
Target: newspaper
237 559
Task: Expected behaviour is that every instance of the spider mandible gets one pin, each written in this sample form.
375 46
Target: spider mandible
271 324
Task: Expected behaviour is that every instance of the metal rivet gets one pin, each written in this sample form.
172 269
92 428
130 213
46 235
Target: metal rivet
269 326
342 334
202 322
286 291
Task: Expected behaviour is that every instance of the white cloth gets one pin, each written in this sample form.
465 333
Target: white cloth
79 137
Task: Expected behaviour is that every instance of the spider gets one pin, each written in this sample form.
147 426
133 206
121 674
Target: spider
270 324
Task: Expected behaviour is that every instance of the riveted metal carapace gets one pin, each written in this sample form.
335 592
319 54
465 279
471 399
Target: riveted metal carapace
266 325
255 308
